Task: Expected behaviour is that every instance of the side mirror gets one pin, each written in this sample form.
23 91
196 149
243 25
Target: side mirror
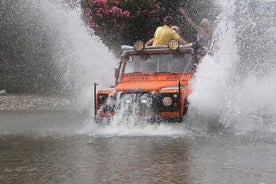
116 74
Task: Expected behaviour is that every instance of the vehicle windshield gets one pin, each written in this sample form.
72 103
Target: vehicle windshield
148 64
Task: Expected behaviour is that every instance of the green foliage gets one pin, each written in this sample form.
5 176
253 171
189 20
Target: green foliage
119 22
32 49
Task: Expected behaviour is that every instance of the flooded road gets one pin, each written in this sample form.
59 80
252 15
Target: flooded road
234 88
62 147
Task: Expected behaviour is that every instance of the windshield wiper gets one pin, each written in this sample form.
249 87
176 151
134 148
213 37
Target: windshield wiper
135 73
161 72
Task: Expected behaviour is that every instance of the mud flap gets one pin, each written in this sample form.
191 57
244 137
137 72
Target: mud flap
186 106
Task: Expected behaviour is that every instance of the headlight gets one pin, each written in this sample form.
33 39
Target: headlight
110 100
139 46
144 99
128 99
173 44
167 101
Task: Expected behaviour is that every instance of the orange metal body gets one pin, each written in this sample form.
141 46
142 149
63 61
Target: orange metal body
174 84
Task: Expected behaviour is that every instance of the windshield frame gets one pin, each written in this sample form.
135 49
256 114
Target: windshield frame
148 63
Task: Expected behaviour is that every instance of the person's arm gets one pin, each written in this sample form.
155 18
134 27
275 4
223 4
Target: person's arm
150 42
182 41
183 12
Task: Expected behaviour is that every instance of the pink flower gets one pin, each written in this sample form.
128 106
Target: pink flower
91 19
126 13
93 25
88 11
100 15
106 12
114 2
113 14
114 9
119 12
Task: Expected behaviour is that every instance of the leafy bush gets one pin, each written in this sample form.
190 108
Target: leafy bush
119 22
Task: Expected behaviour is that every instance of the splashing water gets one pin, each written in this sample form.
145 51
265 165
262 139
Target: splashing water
119 128
85 52
236 87
79 55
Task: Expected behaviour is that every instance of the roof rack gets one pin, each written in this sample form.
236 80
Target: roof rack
128 47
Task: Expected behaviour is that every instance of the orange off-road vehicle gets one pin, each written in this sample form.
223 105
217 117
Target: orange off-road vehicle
151 83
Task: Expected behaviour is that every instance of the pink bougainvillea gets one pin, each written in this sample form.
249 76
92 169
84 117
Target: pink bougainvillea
108 13
119 22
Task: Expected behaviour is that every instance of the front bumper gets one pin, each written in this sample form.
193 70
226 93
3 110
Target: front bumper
142 104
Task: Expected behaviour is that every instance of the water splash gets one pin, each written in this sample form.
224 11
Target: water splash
121 128
77 44
229 95
57 34
79 56
235 88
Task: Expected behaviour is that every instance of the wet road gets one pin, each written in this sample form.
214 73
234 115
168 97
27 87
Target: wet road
62 147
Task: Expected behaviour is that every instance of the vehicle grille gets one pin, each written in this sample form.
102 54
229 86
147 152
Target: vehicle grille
140 103
147 102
